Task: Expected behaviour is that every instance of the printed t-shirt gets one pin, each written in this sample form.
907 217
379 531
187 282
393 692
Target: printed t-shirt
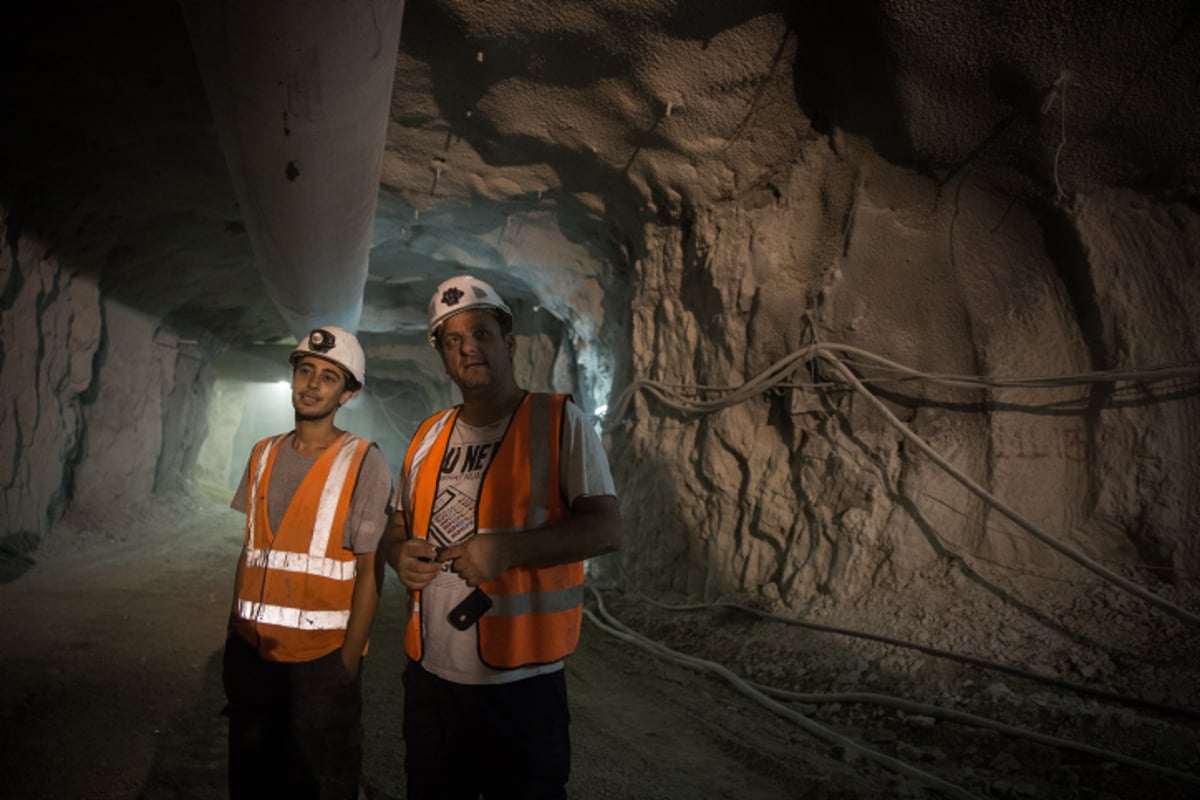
449 653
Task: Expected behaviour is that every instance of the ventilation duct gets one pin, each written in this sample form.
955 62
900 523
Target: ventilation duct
300 91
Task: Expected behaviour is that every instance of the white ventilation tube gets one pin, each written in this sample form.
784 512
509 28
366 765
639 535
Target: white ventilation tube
300 91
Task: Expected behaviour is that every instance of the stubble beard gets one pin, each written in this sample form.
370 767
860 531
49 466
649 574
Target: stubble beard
313 416
305 417
469 381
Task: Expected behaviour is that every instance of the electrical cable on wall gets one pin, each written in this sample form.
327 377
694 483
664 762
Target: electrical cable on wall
1036 531
779 372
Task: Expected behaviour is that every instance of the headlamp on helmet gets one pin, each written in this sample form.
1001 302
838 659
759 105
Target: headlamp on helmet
337 346
321 341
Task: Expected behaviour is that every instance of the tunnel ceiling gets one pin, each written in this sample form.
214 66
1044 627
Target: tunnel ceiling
536 141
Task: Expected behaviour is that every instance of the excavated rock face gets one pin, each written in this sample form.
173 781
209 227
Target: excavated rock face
687 193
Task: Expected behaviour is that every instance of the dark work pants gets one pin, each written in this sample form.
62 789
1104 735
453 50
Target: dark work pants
504 742
295 730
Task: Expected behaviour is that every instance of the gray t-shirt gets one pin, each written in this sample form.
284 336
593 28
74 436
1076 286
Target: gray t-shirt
452 654
368 505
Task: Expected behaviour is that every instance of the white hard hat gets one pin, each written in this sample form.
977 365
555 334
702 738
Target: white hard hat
336 345
461 293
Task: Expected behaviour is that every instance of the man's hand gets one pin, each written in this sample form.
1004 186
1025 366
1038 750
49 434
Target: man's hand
593 528
412 558
351 661
362 612
415 563
478 559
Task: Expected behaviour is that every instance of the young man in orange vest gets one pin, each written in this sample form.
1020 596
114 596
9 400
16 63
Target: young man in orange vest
315 501
499 502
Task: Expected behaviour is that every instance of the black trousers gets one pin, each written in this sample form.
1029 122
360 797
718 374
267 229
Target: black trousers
295 730
503 742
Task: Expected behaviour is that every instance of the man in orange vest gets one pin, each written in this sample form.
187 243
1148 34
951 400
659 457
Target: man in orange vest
499 502
306 592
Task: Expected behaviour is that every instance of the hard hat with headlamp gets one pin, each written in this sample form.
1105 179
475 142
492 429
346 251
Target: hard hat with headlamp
336 345
458 294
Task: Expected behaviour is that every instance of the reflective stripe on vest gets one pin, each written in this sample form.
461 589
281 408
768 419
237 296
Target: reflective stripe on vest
263 451
424 445
434 431
301 562
296 618
536 612
295 585
514 605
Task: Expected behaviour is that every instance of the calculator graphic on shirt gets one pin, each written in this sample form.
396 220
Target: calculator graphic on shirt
453 517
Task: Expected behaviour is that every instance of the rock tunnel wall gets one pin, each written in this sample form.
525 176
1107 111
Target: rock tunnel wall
807 490
100 404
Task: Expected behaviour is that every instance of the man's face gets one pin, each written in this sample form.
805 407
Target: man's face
475 352
318 388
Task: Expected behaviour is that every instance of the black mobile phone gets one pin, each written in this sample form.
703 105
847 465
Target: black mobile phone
473 606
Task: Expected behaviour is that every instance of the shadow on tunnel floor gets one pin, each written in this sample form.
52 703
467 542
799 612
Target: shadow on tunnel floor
189 758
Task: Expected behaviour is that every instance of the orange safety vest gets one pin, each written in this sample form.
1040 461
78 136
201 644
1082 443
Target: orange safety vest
536 612
295 585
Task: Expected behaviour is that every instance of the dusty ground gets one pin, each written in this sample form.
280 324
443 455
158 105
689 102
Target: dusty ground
111 688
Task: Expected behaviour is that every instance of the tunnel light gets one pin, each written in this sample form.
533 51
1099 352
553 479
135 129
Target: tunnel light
283 387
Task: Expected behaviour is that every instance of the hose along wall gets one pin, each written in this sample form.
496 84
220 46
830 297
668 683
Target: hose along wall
763 695
778 374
